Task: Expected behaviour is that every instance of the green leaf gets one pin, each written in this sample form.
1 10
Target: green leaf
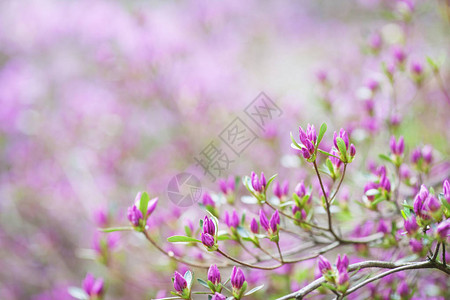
327 153
248 185
432 64
188 276
187 230
112 229
404 215
322 130
249 200
242 231
182 239
287 203
296 199
294 143
372 192
342 149
444 201
211 285
385 157
223 237
202 282
330 166
253 290
243 218
406 205
77 293
270 181
329 286
215 220
143 203
378 200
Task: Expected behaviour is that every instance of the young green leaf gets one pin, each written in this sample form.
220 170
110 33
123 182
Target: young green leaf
77 293
327 153
188 276
342 149
270 181
294 143
253 290
112 229
322 130
143 203
372 192
202 282
182 239
385 157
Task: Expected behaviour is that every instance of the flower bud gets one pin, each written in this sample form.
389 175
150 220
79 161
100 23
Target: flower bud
432 203
218 296
300 190
179 283
375 42
416 155
404 171
223 186
342 264
254 227
93 287
411 225
343 135
237 278
151 206
263 180
416 246
352 150
255 182
399 55
446 190
277 190
263 220
285 188
214 274
385 183
416 68
443 230
273 224
403 289
324 265
208 226
308 139
234 219
383 227
134 215
343 281
207 200
207 240
427 154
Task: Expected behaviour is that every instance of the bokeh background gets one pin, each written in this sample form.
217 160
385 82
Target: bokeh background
101 99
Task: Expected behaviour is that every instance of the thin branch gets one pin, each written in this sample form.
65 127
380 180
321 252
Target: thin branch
247 264
420 265
340 182
444 262
171 255
279 252
368 264
330 224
